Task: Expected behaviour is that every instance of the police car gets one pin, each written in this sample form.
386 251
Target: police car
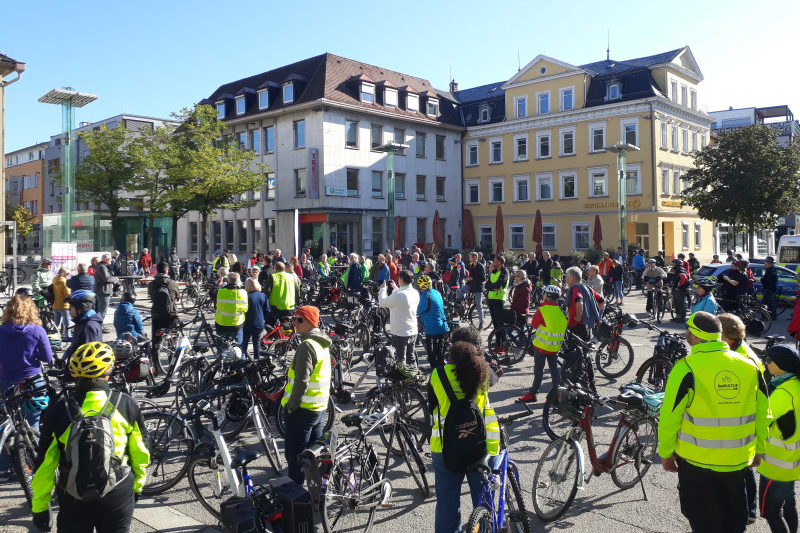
786 278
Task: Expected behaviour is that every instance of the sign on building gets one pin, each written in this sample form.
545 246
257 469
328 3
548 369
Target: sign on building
64 254
14 196
313 165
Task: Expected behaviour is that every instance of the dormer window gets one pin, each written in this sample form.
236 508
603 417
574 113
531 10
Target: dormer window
367 92
614 91
288 93
390 97
433 107
263 99
412 103
221 109
485 114
240 105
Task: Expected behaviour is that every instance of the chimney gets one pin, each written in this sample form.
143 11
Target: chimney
453 86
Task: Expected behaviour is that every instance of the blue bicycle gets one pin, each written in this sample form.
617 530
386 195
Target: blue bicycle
501 507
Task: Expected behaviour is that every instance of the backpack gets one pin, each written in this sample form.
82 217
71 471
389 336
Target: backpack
464 435
385 359
163 303
590 312
50 294
90 468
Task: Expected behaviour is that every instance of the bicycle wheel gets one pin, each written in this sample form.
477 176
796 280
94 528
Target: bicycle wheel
22 463
555 424
267 439
170 447
615 358
280 418
480 520
21 275
556 479
626 285
633 452
761 313
474 317
412 408
515 514
363 341
509 343
208 483
413 460
236 409
343 507
654 373
189 298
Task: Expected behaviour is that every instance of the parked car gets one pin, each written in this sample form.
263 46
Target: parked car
786 278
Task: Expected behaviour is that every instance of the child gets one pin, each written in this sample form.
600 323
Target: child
127 318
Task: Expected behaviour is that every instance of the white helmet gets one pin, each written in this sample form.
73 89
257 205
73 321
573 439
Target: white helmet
552 289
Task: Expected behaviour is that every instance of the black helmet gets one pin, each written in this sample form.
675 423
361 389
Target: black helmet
26 292
706 284
677 262
129 297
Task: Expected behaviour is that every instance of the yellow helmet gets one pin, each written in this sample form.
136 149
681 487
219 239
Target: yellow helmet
424 282
91 360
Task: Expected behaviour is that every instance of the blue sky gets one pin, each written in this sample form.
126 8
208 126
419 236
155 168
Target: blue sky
152 58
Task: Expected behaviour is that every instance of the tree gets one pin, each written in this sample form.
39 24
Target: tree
211 170
748 179
23 217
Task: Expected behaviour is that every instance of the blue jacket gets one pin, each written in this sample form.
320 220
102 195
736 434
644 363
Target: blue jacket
81 281
638 261
707 303
383 273
88 328
128 320
431 312
354 277
257 309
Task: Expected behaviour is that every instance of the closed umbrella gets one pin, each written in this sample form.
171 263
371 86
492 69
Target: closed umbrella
597 237
399 232
436 229
499 232
467 230
537 232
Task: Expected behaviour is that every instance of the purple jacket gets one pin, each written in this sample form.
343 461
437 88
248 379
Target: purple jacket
22 350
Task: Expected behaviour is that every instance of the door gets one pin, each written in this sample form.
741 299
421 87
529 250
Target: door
668 238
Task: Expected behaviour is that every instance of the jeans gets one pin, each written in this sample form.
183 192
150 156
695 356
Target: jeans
62 320
405 349
448 494
110 514
103 300
769 301
251 334
236 335
32 418
434 345
539 359
778 505
618 290
751 490
303 427
478 297
713 502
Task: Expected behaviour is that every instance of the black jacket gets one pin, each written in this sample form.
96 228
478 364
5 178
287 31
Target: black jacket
770 279
81 281
478 274
86 329
162 280
103 280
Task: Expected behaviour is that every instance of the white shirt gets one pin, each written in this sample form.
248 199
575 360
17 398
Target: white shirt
402 306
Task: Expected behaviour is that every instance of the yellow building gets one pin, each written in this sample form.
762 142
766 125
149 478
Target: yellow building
537 141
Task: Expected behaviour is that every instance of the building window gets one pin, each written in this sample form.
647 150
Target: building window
352 182
567 99
433 107
542 145
440 181
664 136
367 92
377 234
520 106
698 235
241 228
240 105
613 91
521 189
673 86
676 182
351 134
597 136
269 139
375 136
255 141
299 128
496 191
702 140
472 155
694 141
420 188
664 181
400 186
420 144
270 223
422 226
569 186
288 93
216 231
543 103
496 151
193 227
229 233
684 98
580 235
675 137
517 236
263 102
630 131
377 184
220 111
633 181
485 236
544 187
521 148
412 103
390 98
549 236
685 139
693 98
484 115
270 186
567 142
241 140
300 183
440 147
473 191
598 182
685 235
400 138
255 230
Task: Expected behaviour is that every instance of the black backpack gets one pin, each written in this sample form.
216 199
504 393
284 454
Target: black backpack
50 294
163 305
464 432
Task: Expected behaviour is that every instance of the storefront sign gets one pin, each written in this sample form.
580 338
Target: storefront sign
335 191
14 191
313 164
601 205
671 203
64 254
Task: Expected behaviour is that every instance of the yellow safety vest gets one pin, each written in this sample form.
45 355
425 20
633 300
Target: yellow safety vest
283 295
319 383
231 306
326 269
440 412
220 262
748 352
498 294
781 459
549 336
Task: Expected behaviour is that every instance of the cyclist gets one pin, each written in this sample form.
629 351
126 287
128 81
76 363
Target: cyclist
431 312
220 261
402 305
257 309
475 281
231 307
705 299
680 284
174 261
42 278
127 319
91 366
324 270
497 286
638 265
88 324
549 325
162 309
60 306
284 291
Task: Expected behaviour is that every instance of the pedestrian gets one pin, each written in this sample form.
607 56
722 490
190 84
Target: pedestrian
521 297
622 257
231 306
549 325
295 267
146 262
308 388
382 270
705 298
127 320
79 508
769 284
694 264
131 270
660 260
174 261
104 284
615 276
163 292
604 266
638 264
257 310
532 267
277 257
497 286
545 266
265 274
594 280
680 286
582 309
81 280
88 325
713 398
733 288
284 292
306 266
220 261
60 306
466 375
42 278
730 258
434 321
354 277
402 305
324 270
92 270
116 264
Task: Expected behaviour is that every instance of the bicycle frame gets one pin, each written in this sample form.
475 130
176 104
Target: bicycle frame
490 484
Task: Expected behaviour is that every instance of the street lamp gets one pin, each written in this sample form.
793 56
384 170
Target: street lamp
621 149
390 149
68 99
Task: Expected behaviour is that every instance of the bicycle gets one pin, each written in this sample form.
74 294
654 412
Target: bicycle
560 470
511 341
17 436
614 356
668 349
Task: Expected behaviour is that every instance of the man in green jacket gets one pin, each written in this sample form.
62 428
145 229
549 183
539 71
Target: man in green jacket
713 427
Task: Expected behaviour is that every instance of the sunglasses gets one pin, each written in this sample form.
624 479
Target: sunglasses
298 319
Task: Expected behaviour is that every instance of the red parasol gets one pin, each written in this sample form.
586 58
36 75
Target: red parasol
597 237
499 231
399 232
436 229
537 232
467 230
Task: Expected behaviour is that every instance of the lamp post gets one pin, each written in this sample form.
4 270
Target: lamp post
621 150
68 99
390 149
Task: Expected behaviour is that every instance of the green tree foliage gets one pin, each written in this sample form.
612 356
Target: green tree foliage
747 179
23 217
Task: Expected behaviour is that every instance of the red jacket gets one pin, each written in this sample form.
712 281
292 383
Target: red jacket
794 325
146 262
521 299
605 267
393 271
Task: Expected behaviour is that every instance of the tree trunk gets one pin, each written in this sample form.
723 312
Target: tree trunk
203 236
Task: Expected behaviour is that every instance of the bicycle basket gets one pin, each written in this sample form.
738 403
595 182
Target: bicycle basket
652 400
401 371
604 331
138 370
571 402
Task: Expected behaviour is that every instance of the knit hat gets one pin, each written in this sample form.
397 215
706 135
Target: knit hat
786 357
310 313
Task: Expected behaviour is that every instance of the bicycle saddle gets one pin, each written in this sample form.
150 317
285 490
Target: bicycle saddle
631 398
319 445
359 419
244 456
481 465
777 339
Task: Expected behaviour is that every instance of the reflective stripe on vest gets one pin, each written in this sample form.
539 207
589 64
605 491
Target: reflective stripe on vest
719 422
497 294
318 389
781 459
716 443
549 336
230 311
283 295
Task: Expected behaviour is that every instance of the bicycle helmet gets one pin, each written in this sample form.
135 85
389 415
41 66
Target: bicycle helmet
91 360
424 283
677 262
552 289
25 292
706 284
36 404
80 296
